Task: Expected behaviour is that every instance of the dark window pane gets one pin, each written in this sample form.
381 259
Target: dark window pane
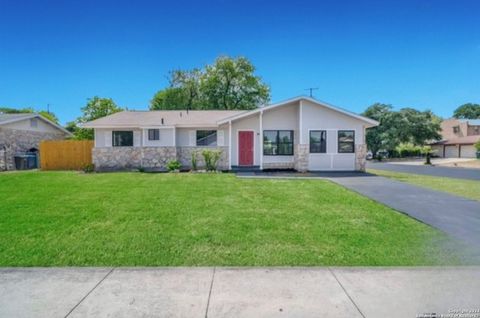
318 141
285 136
346 141
122 138
154 134
206 137
285 149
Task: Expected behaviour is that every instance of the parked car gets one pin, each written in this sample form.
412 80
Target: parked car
383 154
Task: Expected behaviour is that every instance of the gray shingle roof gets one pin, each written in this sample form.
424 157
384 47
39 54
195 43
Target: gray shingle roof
178 118
14 117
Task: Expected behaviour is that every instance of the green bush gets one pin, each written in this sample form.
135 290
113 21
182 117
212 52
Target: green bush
211 158
477 145
89 168
194 160
408 150
174 165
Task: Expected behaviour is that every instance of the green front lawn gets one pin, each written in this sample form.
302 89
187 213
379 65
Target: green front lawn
465 188
127 219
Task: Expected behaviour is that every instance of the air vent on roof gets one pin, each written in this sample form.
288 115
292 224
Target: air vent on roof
162 121
180 114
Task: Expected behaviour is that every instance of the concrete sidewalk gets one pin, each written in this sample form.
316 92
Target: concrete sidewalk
237 292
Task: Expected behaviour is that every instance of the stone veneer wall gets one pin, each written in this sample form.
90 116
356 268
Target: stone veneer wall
20 141
360 157
301 154
184 155
117 158
2 159
279 165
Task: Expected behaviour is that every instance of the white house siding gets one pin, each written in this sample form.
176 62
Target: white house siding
103 137
251 123
166 135
315 117
281 118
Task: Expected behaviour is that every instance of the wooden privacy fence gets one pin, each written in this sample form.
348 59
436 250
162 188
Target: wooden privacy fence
65 154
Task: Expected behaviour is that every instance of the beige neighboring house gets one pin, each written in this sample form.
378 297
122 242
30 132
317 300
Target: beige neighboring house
458 138
20 133
301 133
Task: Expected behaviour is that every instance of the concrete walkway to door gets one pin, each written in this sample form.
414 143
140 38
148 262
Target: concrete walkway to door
237 292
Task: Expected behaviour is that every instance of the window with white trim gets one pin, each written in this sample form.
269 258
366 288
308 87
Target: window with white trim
206 138
154 134
346 141
318 141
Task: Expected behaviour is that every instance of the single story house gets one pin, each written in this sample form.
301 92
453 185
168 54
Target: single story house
300 133
20 133
458 138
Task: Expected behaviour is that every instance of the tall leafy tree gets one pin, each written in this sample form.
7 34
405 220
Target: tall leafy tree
229 83
183 91
395 127
47 114
95 108
467 111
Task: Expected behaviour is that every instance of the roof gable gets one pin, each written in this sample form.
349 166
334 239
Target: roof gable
13 118
367 120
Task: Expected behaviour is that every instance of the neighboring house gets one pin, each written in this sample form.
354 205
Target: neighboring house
301 133
20 133
458 138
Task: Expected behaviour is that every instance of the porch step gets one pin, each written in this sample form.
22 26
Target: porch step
245 168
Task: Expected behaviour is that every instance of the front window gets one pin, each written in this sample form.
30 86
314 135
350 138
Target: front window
318 141
206 137
154 134
456 129
346 141
122 138
278 142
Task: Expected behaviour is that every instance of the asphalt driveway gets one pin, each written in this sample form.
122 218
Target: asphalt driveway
459 173
458 217
237 292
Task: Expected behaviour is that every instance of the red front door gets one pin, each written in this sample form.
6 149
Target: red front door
245 148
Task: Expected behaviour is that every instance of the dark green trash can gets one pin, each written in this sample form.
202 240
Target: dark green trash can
26 161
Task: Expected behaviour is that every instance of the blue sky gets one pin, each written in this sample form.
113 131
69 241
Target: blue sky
421 54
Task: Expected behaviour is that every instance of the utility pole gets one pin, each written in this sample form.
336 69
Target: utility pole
48 108
311 89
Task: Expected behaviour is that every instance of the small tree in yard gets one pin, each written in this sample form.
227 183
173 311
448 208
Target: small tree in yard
427 151
211 158
194 160
477 146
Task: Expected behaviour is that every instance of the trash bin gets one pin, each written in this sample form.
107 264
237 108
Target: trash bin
26 161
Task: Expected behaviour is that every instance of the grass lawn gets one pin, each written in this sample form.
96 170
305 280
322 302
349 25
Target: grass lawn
127 219
461 187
